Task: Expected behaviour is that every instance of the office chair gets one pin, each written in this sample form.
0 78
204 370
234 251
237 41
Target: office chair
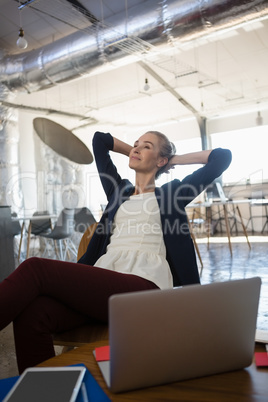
61 234
83 218
38 226
91 332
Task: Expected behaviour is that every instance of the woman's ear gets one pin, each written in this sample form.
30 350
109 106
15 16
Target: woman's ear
162 162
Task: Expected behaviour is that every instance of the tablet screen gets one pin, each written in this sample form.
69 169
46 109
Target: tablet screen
47 385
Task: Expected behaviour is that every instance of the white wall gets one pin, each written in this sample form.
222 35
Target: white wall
236 121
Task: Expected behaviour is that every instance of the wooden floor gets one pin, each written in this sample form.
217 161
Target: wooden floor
245 263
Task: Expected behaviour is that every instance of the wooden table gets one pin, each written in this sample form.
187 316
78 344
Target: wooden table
250 384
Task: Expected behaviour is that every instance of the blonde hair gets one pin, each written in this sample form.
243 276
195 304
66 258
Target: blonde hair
167 149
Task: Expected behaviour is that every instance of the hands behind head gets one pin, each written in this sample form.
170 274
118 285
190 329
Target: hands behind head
169 166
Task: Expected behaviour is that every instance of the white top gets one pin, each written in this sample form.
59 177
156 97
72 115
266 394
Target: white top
136 244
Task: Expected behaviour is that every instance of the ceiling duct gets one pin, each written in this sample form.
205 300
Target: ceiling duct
150 23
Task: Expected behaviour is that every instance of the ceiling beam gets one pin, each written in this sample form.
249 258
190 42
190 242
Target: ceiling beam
201 121
161 81
48 111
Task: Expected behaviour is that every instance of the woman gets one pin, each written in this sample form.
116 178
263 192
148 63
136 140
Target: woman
142 242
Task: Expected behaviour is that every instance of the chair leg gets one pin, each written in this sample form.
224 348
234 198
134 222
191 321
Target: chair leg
69 247
47 243
209 223
243 226
46 248
61 251
195 243
62 248
197 249
21 237
266 222
57 252
66 250
227 228
29 239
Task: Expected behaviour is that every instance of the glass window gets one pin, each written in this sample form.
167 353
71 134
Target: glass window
249 150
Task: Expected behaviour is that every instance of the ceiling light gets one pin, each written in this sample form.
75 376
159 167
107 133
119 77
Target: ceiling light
259 119
22 42
146 86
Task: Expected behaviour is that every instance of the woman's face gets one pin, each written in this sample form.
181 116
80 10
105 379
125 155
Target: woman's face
145 155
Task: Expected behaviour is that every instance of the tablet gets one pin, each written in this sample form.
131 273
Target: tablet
47 384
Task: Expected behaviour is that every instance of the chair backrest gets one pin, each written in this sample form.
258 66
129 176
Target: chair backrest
86 239
41 225
64 226
83 218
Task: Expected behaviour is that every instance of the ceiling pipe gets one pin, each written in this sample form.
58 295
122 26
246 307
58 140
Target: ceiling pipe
154 24
90 120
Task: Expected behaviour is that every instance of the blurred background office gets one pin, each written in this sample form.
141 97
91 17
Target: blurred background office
195 70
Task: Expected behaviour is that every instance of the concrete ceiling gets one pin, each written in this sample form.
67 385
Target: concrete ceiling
214 74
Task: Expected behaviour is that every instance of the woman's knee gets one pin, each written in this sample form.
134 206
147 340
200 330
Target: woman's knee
30 261
34 317
48 315
28 264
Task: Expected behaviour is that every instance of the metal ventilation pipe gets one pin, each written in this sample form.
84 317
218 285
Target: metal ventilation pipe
157 24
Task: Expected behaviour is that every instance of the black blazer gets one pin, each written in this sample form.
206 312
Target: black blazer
172 199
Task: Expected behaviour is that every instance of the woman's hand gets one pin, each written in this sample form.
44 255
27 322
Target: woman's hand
170 165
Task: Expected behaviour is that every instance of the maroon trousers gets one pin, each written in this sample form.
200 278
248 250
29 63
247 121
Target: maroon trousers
45 296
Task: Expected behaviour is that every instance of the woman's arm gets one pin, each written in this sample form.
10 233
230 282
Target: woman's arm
103 143
121 147
200 157
215 162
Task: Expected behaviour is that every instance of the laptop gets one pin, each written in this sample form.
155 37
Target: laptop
161 336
